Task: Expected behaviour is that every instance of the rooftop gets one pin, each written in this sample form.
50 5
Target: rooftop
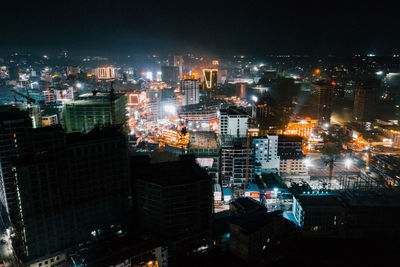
183 171
320 200
203 139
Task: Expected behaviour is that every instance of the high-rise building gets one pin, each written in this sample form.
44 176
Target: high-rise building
210 78
190 90
266 153
170 75
71 188
234 166
364 101
325 97
241 90
91 110
105 73
233 121
174 202
13 145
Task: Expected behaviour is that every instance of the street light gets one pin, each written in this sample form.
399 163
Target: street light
254 98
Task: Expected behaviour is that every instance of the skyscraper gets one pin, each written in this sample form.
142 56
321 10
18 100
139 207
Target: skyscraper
71 188
325 96
364 100
13 144
190 90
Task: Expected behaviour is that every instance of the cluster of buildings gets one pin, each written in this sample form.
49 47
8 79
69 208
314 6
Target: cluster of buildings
156 170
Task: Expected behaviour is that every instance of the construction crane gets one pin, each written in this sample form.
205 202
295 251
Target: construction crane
29 99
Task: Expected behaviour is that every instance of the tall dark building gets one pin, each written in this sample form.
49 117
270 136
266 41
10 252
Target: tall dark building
13 145
290 146
71 188
174 202
170 75
325 97
364 101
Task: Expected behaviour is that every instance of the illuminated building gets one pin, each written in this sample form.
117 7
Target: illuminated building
241 90
364 101
190 90
157 109
64 94
200 114
302 128
266 153
175 138
105 73
135 99
73 70
233 121
91 110
192 75
325 96
210 78
49 120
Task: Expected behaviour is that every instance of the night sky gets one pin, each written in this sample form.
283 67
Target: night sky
248 27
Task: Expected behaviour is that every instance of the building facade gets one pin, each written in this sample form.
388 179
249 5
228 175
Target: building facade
91 110
191 91
233 122
266 153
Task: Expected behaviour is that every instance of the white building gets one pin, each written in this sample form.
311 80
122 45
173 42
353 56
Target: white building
266 153
105 73
233 122
191 91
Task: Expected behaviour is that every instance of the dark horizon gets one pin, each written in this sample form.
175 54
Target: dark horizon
253 28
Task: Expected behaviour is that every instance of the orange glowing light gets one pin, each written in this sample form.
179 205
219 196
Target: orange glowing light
317 71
